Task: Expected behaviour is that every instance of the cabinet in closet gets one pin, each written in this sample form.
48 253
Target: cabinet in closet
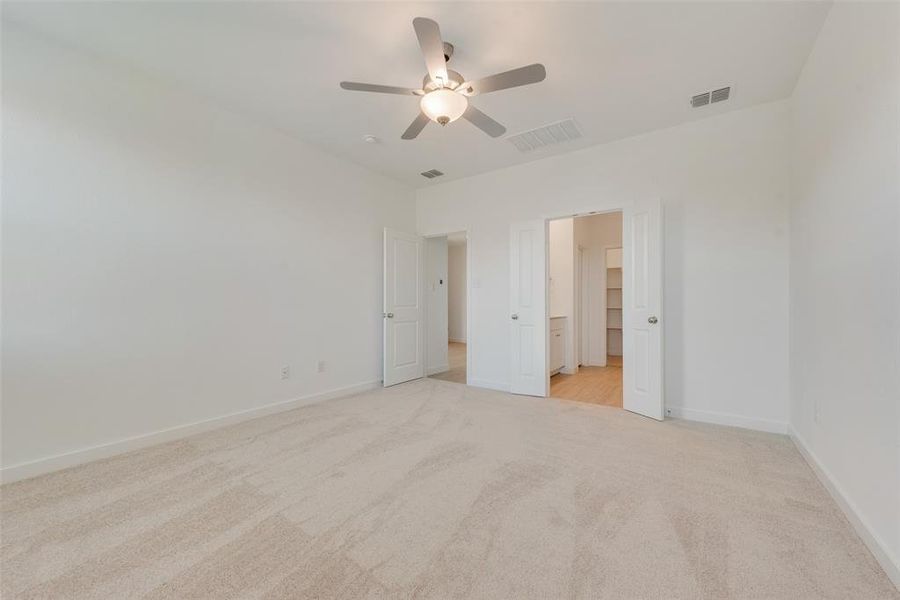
557 344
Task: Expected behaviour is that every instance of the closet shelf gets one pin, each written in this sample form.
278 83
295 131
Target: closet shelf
614 307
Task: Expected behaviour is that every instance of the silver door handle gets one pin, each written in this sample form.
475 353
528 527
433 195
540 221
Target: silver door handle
652 320
514 317
389 315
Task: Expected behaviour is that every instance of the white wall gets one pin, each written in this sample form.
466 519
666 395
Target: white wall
436 303
594 234
561 289
560 265
845 266
163 259
456 279
723 182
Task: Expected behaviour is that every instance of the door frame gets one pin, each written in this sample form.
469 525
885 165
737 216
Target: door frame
620 206
468 300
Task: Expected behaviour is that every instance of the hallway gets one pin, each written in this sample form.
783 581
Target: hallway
456 357
595 385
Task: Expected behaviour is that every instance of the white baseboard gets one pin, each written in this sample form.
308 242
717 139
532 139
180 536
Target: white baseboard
491 385
77 457
681 413
888 562
438 369
717 418
458 340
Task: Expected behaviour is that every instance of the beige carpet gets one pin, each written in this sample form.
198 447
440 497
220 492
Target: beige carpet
432 489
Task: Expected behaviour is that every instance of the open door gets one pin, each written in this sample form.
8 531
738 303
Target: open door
404 307
528 308
642 366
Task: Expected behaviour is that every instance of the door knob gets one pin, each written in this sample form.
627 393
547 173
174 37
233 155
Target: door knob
389 315
514 317
652 320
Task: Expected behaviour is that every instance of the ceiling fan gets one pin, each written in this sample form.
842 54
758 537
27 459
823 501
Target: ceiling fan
445 94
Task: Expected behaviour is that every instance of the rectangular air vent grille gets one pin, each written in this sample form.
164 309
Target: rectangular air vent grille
705 98
554 133
720 95
432 174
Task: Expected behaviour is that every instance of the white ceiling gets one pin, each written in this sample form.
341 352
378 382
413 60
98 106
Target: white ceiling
618 69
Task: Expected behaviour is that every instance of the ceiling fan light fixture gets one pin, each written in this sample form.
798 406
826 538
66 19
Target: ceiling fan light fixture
443 105
444 95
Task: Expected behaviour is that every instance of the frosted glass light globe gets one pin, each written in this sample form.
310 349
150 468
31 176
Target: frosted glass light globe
444 106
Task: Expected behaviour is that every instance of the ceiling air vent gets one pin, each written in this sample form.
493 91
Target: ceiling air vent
700 100
432 174
548 135
705 98
720 95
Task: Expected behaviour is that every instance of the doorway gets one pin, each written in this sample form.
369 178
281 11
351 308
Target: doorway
585 308
447 301
542 340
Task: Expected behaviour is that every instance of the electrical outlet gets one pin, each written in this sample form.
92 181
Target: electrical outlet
320 366
285 372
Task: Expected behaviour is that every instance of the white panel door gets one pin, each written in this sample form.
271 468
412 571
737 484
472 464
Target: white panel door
641 309
404 307
528 308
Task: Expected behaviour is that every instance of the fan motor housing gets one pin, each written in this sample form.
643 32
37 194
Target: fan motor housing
455 79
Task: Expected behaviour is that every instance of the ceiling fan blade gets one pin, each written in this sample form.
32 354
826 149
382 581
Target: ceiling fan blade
381 89
415 127
508 79
432 46
483 122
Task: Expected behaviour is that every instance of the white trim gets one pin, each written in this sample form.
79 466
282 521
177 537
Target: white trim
78 457
706 416
438 369
491 385
888 562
